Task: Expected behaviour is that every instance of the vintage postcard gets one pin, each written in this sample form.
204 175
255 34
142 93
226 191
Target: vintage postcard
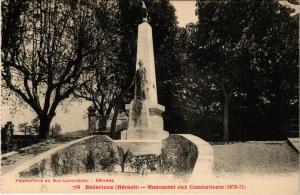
150 96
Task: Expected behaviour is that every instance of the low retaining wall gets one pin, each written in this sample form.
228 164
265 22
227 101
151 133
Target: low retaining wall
205 159
39 158
26 149
181 155
6 155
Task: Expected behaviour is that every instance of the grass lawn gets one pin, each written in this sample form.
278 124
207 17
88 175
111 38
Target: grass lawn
255 157
263 167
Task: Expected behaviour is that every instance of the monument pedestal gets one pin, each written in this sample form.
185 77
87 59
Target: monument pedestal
139 147
144 135
149 125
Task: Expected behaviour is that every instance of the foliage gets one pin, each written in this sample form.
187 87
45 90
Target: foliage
68 162
45 49
90 162
35 123
101 85
55 164
105 156
55 131
24 127
30 129
246 53
123 157
108 161
144 163
178 156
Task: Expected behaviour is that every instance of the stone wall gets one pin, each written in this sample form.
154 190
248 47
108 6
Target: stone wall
205 158
179 155
93 154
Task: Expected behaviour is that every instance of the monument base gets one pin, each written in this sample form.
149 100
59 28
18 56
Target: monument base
139 147
144 135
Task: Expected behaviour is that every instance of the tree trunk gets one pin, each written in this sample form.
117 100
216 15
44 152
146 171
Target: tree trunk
122 167
44 127
225 117
102 123
114 122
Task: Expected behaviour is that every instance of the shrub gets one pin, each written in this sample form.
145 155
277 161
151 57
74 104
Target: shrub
55 131
90 162
145 162
105 156
178 156
55 164
123 157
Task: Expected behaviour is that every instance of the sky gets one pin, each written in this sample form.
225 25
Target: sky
72 116
185 11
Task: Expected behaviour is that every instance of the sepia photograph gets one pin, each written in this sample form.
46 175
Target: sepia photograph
150 97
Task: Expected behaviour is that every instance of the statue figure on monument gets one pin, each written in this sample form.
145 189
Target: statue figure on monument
145 12
140 82
140 92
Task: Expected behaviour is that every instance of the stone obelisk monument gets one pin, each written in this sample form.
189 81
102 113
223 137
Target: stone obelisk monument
145 120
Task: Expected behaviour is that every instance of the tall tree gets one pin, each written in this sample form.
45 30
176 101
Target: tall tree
232 36
44 49
100 86
108 85
196 105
